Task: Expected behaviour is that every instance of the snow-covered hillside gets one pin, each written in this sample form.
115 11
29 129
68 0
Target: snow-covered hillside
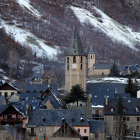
105 24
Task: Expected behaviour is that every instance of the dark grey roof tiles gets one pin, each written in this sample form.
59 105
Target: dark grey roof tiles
1 99
119 88
3 108
129 103
102 66
53 117
97 126
75 47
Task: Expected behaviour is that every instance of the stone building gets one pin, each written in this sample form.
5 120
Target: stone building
75 71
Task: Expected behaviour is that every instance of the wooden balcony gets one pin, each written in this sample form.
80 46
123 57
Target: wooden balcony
97 116
32 133
12 120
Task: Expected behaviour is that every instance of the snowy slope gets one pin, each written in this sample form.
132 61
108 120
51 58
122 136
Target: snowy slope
25 37
110 27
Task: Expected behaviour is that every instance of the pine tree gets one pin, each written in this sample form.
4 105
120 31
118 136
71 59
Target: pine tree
76 94
129 87
119 125
114 72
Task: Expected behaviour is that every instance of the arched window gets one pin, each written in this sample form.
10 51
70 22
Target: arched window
81 66
67 59
74 59
81 59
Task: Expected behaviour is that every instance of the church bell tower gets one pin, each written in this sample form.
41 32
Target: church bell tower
75 70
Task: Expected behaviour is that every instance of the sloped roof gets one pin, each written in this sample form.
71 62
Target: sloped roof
51 117
119 87
54 100
10 86
91 50
75 47
97 126
1 99
102 66
129 103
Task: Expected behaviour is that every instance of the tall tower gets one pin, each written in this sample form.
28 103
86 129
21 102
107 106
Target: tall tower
91 61
75 70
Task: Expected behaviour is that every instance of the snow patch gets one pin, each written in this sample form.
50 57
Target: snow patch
110 27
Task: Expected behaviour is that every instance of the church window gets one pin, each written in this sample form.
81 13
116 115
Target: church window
68 67
91 56
81 66
74 59
81 59
67 59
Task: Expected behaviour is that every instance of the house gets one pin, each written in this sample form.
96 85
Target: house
44 123
13 114
129 69
97 130
8 90
42 78
131 115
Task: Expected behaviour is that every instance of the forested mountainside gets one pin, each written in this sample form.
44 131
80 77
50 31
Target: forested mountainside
110 26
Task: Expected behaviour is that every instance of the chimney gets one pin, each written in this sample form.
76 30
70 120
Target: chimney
106 101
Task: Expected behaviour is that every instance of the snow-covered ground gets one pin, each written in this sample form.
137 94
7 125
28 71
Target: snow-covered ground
110 27
26 4
110 80
25 37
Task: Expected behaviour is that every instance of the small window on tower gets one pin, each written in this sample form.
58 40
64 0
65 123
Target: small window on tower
81 59
91 56
68 67
74 59
67 59
81 66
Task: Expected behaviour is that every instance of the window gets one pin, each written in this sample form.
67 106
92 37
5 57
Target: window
74 59
81 66
137 109
9 116
0 93
81 59
137 127
12 93
67 66
138 118
5 94
41 129
112 109
67 59
85 130
114 118
96 135
128 118
124 118
91 56
78 130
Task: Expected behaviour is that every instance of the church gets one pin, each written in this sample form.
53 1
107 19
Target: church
76 64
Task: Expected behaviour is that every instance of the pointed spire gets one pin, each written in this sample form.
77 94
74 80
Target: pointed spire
91 50
75 47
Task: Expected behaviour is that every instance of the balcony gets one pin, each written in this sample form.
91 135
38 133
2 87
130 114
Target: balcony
32 133
12 120
97 116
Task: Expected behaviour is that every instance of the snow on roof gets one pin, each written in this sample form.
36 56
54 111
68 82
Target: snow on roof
97 106
110 27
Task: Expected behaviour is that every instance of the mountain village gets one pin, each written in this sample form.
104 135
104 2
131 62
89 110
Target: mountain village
36 110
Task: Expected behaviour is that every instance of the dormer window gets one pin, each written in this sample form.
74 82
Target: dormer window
112 109
124 109
95 95
137 109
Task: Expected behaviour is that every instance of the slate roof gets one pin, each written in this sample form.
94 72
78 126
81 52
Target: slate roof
13 132
33 99
41 87
129 103
18 85
51 117
36 87
54 100
102 66
99 95
119 87
75 47
3 108
97 126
